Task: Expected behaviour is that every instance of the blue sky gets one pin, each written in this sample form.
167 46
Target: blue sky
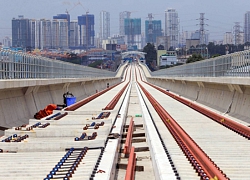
221 15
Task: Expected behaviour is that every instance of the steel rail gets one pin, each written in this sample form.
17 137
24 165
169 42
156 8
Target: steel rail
130 172
90 98
227 122
115 100
128 142
204 166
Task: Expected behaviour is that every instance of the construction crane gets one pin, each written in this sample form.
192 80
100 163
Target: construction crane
129 12
67 11
87 11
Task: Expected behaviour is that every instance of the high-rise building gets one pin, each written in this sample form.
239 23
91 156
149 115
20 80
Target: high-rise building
63 34
247 27
123 15
46 34
35 33
185 35
195 35
73 42
7 42
133 32
228 38
21 32
65 17
152 30
32 27
241 37
59 34
104 25
41 34
86 30
55 29
172 27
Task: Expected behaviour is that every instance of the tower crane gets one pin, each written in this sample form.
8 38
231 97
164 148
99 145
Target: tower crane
67 11
87 11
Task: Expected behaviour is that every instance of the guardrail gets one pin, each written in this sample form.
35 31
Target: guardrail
18 65
235 64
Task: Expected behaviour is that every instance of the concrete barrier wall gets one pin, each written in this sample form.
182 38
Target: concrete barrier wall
226 98
20 99
19 104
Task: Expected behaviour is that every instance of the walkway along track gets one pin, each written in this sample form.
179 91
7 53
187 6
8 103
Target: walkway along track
222 146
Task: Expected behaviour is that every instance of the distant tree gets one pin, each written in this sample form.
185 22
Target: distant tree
247 44
171 48
162 67
160 47
194 58
222 48
96 64
216 55
151 52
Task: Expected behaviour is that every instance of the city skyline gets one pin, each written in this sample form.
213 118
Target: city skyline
221 16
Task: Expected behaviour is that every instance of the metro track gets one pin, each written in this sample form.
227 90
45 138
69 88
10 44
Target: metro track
210 136
183 143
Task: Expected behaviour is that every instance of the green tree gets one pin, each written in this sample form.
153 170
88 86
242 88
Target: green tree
96 64
150 56
160 47
215 55
194 58
151 52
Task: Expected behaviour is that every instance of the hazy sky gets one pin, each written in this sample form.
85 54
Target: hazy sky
221 14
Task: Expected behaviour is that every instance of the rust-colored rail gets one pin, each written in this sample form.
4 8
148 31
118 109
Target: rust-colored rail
203 165
90 98
114 101
128 142
235 126
130 172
